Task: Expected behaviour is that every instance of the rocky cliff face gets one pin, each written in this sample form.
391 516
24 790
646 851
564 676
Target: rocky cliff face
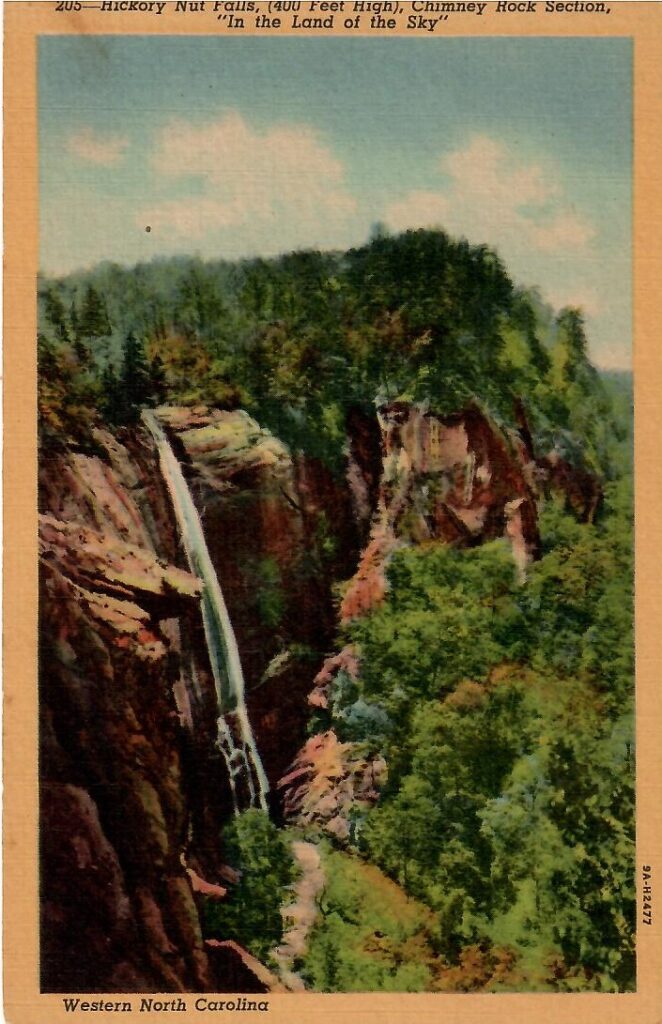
458 479
118 911
132 787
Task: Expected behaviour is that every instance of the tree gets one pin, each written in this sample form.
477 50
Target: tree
134 387
571 334
562 835
111 402
199 308
393 834
66 394
251 914
440 624
93 320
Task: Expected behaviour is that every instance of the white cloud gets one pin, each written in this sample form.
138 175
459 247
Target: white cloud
483 169
105 151
491 197
283 178
565 231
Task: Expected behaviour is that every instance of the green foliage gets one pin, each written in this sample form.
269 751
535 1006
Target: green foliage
140 383
301 339
55 314
579 601
564 823
462 750
92 321
251 914
509 806
67 393
370 937
504 711
448 617
269 593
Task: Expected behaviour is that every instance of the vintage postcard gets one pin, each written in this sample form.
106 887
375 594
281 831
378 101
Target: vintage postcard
332 511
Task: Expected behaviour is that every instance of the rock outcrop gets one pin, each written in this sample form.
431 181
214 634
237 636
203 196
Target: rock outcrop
243 972
459 479
329 782
134 790
112 793
580 488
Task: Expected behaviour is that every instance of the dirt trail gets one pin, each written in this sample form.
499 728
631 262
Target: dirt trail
301 913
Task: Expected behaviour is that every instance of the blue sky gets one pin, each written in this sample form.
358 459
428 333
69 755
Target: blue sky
234 147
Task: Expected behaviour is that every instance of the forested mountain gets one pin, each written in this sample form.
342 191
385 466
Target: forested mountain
440 549
301 339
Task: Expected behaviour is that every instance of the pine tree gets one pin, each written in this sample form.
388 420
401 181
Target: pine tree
93 321
135 382
111 402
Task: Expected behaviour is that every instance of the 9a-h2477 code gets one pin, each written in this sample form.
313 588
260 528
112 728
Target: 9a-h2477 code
647 894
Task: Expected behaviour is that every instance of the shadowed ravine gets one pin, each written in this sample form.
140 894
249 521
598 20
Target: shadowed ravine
235 740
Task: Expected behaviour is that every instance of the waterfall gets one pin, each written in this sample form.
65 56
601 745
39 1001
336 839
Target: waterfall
235 737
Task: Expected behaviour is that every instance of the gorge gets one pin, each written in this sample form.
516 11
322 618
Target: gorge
343 573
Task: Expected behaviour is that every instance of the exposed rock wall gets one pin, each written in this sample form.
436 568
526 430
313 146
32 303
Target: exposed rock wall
329 781
459 479
117 907
133 791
